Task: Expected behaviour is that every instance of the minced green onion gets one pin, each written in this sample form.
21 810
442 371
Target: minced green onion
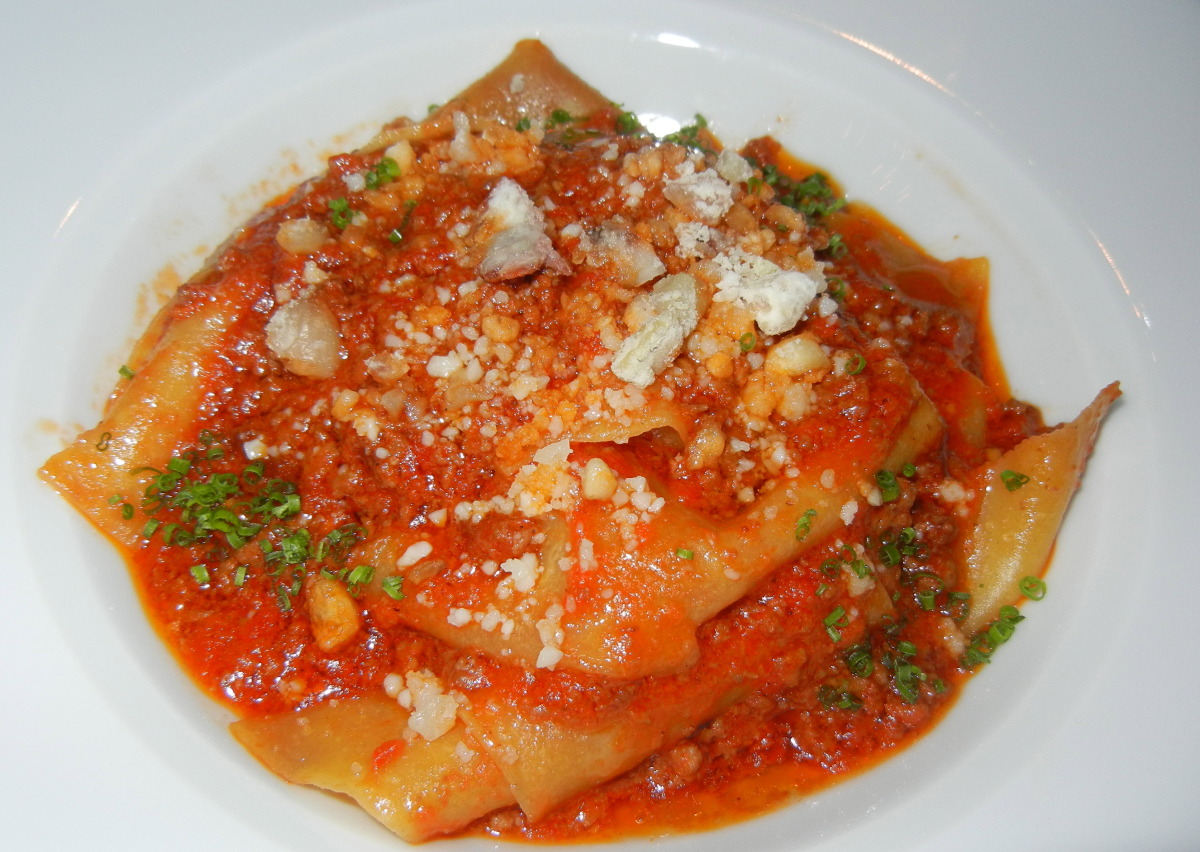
833 622
200 573
905 677
627 123
295 547
125 372
1033 588
986 641
1000 632
889 488
523 124
1013 480
837 246
340 213
859 661
336 545
689 134
856 364
813 196
1010 614
841 699
360 575
684 553
385 171
804 524
392 587
747 341
396 235
958 605
889 554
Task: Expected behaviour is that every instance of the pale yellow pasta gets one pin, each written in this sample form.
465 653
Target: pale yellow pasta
145 425
1015 530
363 748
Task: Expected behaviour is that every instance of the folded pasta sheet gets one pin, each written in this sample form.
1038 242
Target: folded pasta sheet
529 474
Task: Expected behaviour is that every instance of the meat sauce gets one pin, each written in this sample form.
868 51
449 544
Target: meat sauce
812 712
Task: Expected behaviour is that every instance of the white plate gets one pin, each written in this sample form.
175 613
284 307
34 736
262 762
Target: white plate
975 131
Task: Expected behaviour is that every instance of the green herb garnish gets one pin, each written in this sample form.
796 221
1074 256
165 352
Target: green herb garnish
340 213
385 171
1013 480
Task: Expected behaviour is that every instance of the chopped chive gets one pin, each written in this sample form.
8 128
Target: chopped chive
1033 588
1013 480
340 213
360 575
627 123
889 488
392 587
804 524
859 661
833 622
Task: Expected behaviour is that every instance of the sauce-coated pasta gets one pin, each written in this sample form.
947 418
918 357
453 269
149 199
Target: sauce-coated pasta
530 475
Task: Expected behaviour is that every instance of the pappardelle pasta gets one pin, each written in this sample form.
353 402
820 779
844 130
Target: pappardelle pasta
531 475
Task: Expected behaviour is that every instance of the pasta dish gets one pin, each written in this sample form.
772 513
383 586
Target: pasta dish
530 475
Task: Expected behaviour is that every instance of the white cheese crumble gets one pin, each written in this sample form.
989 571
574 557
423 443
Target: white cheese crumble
520 245
693 239
776 297
524 570
733 167
414 554
702 195
635 261
433 710
462 147
304 335
672 310
797 355
598 480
